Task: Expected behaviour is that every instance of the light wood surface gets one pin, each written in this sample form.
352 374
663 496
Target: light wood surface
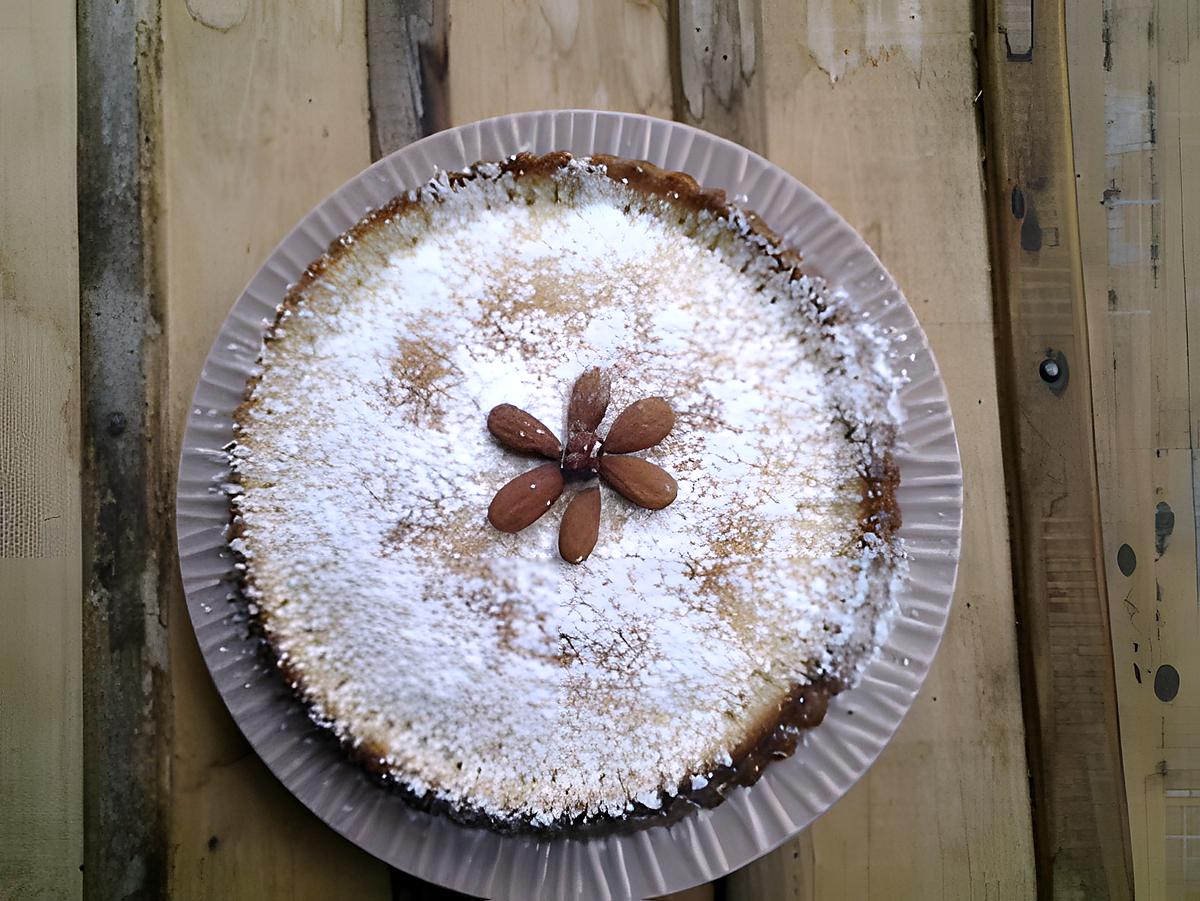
719 79
264 113
1135 113
41 753
548 54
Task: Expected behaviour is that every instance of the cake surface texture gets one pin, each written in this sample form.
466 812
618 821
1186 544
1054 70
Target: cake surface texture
477 672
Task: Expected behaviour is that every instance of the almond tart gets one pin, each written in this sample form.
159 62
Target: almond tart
475 670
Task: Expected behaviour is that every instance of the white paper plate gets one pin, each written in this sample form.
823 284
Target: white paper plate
705 844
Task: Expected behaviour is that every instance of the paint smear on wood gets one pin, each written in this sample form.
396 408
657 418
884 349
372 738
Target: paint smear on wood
717 52
844 35
1127 121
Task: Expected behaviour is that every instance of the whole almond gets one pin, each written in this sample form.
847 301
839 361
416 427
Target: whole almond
517 430
641 425
580 526
638 480
523 500
589 401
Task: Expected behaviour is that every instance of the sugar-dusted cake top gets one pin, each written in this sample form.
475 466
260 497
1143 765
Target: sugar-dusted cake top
476 668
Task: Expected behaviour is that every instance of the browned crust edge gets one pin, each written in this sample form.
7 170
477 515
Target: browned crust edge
804 707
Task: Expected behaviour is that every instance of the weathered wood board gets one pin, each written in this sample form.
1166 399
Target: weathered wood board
1135 112
1082 844
41 739
551 54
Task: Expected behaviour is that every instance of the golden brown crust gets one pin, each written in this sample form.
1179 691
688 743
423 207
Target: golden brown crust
804 706
880 513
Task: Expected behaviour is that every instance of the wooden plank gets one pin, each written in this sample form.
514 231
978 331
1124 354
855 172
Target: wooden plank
546 54
264 110
554 32
1082 838
408 49
41 740
791 873
127 552
858 105
1134 112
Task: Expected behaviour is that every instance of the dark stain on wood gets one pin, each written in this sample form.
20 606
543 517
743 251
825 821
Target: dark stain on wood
408 58
1164 525
1166 683
1017 201
1152 112
1031 231
1106 36
126 526
1126 560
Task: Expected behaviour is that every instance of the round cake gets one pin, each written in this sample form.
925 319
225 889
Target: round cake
563 496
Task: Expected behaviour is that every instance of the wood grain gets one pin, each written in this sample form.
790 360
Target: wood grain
544 54
261 119
1134 110
41 742
854 109
1081 828
407 61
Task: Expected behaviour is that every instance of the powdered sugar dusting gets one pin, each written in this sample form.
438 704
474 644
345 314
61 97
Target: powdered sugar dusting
482 668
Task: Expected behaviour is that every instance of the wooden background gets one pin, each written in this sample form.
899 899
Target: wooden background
152 152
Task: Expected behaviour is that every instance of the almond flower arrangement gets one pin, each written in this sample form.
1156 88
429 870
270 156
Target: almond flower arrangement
524 500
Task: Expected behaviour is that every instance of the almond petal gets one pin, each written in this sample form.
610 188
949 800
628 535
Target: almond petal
641 425
580 526
589 401
638 480
518 431
523 500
